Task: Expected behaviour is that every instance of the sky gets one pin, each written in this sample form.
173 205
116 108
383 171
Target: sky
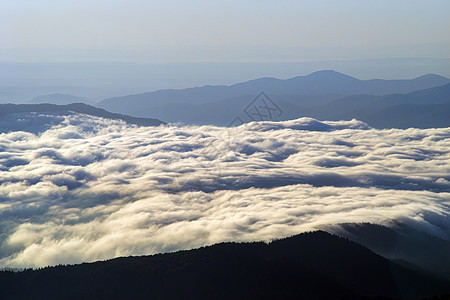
222 31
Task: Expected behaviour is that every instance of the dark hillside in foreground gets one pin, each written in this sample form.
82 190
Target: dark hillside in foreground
308 266
429 252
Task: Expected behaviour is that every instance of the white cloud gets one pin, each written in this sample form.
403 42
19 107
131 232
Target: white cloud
89 188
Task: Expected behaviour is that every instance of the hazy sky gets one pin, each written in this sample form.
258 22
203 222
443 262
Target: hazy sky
262 31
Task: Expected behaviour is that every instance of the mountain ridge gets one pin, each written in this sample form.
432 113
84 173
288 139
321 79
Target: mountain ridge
299 85
314 89
310 265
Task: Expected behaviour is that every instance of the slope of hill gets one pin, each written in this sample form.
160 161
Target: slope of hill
8 109
346 106
60 99
308 266
328 84
423 109
223 112
407 116
395 243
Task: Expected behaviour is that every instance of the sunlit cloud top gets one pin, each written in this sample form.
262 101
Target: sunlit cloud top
86 188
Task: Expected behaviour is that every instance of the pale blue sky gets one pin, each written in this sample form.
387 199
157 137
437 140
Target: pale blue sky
230 31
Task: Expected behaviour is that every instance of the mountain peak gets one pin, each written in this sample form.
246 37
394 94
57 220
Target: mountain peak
329 74
431 77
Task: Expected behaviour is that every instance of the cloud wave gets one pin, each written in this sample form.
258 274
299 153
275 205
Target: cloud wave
88 188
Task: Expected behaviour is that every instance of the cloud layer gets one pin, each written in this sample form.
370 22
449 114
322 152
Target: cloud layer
87 188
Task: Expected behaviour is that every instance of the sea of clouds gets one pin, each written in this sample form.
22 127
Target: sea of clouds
77 188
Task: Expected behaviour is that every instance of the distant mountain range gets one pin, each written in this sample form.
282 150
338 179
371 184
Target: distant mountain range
314 265
7 109
423 102
324 95
318 83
